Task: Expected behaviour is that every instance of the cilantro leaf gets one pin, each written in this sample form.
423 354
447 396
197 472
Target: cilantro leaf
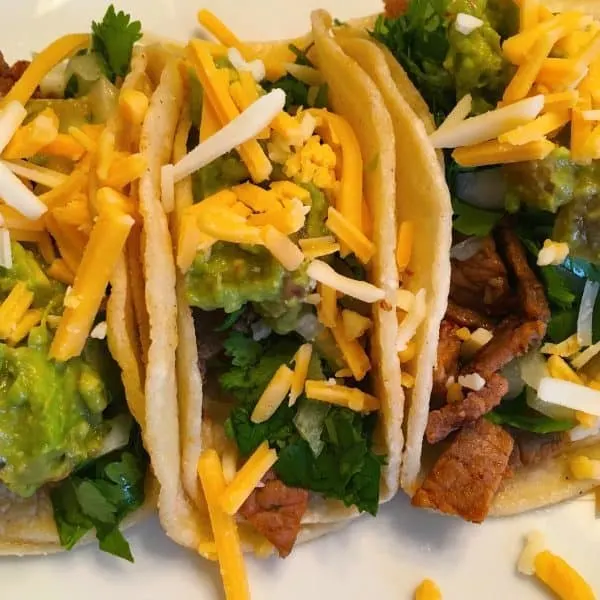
230 320
558 287
242 350
113 39
471 220
99 496
517 413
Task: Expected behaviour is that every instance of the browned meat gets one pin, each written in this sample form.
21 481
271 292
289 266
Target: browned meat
448 353
454 416
276 511
533 448
532 296
511 340
466 317
10 75
466 477
395 8
481 282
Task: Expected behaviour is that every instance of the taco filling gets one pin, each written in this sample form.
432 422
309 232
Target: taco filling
514 95
66 430
275 252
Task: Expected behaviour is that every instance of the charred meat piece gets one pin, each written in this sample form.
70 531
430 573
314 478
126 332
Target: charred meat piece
466 477
395 8
532 296
276 512
454 416
448 353
533 448
10 75
481 282
466 317
511 340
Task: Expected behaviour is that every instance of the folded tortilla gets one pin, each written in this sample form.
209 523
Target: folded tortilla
174 386
528 488
27 525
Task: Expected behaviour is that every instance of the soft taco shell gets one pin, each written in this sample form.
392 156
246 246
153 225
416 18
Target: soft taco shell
422 198
346 81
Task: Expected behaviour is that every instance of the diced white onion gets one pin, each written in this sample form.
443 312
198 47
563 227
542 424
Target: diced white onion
11 117
244 127
584 357
410 323
35 173
570 395
308 327
512 373
405 300
459 113
18 196
489 125
260 331
467 24
586 313
559 413
533 369
54 83
484 188
99 331
466 249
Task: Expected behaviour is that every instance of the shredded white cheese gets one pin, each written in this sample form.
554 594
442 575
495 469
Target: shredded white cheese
467 24
473 381
534 544
99 331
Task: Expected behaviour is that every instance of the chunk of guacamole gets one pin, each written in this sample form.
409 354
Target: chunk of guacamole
50 414
544 184
222 173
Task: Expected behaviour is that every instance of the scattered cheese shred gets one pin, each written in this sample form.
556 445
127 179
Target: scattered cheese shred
361 290
354 355
561 578
408 353
355 325
14 307
350 236
224 35
327 309
559 369
247 478
583 468
536 130
534 544
30 319
227 539
341 395
282 248
428 590
209 122
42 64
494 152
318 247
105 245
58 270
65 146
274 395
301 363
11 117
568 347
529 11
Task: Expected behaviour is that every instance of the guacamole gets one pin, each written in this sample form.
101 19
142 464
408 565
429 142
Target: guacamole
50 414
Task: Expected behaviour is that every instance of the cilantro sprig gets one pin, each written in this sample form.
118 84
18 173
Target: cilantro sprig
113 39
99 497
346 468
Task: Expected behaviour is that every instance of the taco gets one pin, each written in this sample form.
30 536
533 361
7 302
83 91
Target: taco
280 195
511 417
72 364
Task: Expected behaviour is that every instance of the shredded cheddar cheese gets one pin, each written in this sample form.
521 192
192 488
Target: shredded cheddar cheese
13 309
327 309
354 355
274 395
428 590
247 478
227 539
561 578
350 236
21 329
340 395
355 325
302 360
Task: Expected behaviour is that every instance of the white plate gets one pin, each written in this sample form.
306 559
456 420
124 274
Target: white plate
379 559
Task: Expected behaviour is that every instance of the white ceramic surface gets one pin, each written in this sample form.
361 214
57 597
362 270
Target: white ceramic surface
373 559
